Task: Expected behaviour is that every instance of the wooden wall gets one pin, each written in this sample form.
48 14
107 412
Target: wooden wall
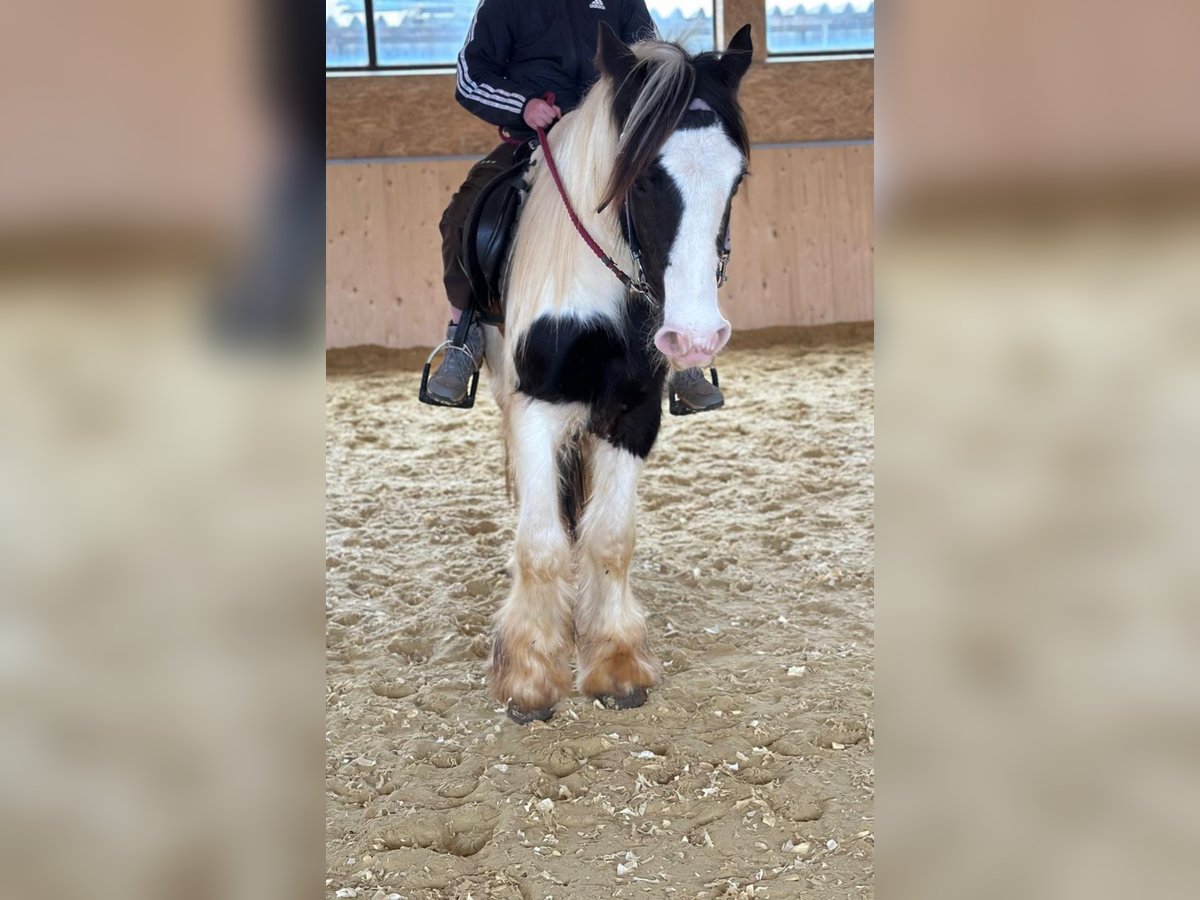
802 246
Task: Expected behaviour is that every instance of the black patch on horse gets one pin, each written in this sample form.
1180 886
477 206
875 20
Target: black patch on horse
572 485
656 209
612 368
628 410
635 427
565 360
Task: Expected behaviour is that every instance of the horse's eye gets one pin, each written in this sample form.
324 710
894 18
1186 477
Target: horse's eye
652 178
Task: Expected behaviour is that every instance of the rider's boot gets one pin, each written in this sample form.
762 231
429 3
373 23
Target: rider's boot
696 392
449 383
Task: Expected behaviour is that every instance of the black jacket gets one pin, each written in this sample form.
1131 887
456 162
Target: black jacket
517 50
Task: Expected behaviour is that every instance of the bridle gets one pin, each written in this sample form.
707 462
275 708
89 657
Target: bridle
636 283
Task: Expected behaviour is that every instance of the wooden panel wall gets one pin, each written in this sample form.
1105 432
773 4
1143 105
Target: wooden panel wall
803 244
804 238
383 269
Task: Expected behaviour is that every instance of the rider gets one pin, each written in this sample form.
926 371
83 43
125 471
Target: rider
516 52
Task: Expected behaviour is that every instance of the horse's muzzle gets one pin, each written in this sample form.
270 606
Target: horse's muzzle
689 347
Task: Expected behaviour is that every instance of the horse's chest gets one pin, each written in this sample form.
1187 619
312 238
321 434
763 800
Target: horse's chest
565 360
613 372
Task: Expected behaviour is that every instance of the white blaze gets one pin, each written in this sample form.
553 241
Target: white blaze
704 164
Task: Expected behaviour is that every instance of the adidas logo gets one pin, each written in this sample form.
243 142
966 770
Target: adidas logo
596 4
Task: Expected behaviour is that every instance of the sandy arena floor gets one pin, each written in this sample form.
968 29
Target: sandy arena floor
749 773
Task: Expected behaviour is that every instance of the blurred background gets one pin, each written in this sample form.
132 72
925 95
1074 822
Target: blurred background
1038 431
161 488
398 146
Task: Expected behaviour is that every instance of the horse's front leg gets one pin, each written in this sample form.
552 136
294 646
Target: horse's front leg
615 663
531 666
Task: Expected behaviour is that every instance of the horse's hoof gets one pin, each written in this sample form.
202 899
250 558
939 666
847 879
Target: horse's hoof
524 717
635 698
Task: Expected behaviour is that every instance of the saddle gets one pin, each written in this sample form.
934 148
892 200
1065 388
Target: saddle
486 236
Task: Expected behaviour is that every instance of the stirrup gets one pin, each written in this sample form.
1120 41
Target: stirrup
457 342
679 408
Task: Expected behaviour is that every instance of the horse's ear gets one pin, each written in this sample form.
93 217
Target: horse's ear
735 61
612 55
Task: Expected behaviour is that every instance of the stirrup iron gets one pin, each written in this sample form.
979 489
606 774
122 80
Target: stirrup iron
458 342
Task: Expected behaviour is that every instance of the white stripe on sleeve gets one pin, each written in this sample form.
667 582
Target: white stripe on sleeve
473 89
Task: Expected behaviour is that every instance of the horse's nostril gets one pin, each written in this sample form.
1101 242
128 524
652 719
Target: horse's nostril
671 343
723 334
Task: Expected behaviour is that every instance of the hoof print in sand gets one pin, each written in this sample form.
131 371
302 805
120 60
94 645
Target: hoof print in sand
557 761
462 834
459 787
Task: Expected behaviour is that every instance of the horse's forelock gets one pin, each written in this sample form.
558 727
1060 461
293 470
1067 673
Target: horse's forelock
667 80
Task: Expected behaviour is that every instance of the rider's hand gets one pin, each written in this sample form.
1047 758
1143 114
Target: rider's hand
539 113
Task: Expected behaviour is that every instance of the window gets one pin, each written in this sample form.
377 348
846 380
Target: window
398 34
345 34
386 34
687 22
820 29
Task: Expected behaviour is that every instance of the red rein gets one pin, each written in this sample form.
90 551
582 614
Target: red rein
562 192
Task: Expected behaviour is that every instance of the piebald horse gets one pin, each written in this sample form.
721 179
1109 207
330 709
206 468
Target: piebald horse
651 158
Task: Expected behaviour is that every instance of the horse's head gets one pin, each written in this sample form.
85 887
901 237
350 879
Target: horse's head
682 152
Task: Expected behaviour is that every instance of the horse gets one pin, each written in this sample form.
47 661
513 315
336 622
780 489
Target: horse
650 160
